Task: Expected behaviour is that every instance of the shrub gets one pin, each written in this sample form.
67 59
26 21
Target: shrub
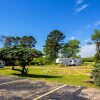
96 74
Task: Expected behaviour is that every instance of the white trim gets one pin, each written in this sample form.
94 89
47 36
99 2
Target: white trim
50 92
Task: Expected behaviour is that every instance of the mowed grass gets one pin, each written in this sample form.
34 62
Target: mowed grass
73 75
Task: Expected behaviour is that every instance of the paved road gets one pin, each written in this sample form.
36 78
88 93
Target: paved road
13 88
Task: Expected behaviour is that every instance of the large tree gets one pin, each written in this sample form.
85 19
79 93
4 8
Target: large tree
23 55
96 71
53 45
96 38
71 48
19 49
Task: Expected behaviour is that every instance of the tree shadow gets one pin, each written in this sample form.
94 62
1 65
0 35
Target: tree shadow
77 95
17 69
36 76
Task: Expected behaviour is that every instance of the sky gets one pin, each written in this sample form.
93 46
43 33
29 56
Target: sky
75 18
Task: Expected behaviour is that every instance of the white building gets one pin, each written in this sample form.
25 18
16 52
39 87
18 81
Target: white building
69 61
2 64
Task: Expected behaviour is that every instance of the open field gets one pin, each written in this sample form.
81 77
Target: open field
77 75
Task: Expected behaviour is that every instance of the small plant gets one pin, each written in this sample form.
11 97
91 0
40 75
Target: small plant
96 74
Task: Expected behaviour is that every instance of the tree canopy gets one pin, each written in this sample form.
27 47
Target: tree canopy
25 41
53 45
19 49
96 35
96 38
71 48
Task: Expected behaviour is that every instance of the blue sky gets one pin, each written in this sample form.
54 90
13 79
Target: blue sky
75 18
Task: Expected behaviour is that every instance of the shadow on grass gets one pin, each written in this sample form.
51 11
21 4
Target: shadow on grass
36 76
17 69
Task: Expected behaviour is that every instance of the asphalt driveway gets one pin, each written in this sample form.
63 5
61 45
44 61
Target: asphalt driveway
15 88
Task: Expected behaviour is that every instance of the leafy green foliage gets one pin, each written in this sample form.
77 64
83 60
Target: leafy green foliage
20 50
96 36
37 61
96 74
88 59
23 55
96 71
25 41
26 55
8 55
28 41
53 45
71 48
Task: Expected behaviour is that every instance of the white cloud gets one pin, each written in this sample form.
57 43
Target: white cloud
87 40
72 38
81 8
97 23
88 50
79 1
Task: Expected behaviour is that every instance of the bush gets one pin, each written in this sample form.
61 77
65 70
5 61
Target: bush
88 59
96 74
37 61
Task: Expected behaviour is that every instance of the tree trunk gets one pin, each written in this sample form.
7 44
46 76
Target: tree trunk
24 70
13 67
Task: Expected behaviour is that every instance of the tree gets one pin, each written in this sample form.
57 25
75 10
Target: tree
19 49
96 38
96 71
23 55
71 48
53 45
96 35
28 41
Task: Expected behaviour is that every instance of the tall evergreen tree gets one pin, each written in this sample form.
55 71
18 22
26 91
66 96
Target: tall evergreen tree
53 45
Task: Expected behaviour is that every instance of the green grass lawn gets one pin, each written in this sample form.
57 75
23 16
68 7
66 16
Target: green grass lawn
77 75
